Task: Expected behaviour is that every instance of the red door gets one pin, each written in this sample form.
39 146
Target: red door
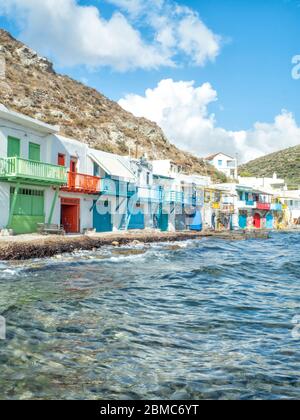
70 211
257 221
73 165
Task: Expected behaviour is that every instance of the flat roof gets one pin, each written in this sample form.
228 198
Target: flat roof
28 122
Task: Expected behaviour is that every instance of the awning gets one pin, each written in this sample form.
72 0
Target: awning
112 165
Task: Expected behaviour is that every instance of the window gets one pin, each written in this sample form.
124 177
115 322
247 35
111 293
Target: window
13 147
148 178
61 159
34 152
220 162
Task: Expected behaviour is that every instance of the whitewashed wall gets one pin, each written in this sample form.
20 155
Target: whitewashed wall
26 136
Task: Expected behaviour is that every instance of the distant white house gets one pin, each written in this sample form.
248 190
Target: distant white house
225 164
273 183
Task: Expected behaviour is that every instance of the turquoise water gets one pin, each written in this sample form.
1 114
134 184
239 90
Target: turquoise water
204 319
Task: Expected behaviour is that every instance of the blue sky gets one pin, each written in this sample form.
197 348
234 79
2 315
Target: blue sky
250 73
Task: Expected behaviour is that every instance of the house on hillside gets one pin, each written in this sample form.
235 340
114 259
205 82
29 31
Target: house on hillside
225 164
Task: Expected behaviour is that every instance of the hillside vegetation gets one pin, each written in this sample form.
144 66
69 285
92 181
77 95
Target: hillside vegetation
285 163
31 86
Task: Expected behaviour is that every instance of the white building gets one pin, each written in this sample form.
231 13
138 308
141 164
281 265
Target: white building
291 199
273 183
29 181
225 164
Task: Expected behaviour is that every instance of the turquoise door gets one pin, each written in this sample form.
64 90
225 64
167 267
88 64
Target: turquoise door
269 221
243 221
102 221
136 219
163 222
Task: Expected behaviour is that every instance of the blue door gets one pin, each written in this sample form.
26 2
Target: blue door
136 219
197 221
102 217
269 221
243 221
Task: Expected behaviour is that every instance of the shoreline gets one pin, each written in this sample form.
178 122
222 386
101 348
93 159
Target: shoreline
26 247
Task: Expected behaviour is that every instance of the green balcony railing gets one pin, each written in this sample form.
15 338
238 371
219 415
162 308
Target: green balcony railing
23 170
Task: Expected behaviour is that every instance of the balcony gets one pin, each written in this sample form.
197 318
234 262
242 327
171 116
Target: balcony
84 184
246 204
276 207
227 208
117 188
151 194
263 206
173 197
31 172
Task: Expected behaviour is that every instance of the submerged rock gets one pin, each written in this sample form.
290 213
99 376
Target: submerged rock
128 252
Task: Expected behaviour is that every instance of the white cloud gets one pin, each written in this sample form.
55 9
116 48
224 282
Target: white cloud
181 109
73 34
178 29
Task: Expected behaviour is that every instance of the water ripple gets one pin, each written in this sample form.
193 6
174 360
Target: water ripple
204 319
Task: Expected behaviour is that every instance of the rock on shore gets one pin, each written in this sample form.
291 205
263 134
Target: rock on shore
35 246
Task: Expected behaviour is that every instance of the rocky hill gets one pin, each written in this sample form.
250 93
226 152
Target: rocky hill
285 163
31 86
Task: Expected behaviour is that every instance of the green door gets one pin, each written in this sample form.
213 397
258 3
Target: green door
34 152
13 147
29 210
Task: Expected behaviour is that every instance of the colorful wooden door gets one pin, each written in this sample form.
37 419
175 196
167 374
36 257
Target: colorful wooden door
197 221
243 221
257 221
163 222
70 214
136 219
34 152
29 210
102 220
13 147
73 165
269 221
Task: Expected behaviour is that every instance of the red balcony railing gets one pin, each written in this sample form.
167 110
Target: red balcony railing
81 183
263 206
